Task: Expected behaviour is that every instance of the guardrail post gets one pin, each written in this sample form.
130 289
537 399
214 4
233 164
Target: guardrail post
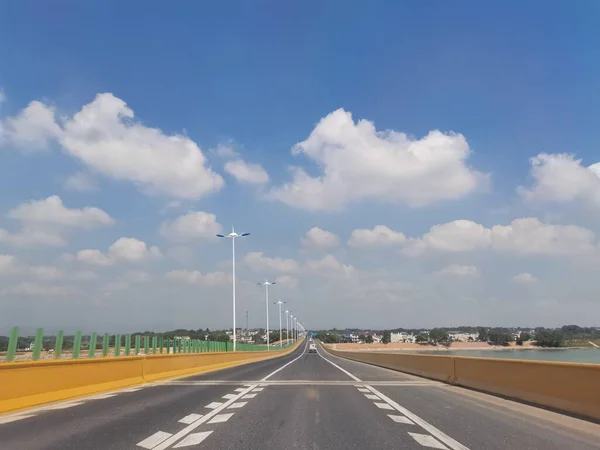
13 341
127 344
117 345
93 342
146 345
58 345
77 345
105 344
154 344
162 343
138 339
37 345
180 350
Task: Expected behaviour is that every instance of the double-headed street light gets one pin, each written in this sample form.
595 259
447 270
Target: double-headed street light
279 302
266 284
233 235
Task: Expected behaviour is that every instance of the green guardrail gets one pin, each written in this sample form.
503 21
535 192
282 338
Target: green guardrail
107 345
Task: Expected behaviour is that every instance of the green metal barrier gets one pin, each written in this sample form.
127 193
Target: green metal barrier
113 345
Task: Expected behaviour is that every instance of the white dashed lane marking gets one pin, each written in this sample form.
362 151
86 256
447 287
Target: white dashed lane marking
427 441
400 419
240 389
237 405
219 418
193 439
383 406
190 418
249 396
229 396
258 389
214 405
154 440
372 397
362 389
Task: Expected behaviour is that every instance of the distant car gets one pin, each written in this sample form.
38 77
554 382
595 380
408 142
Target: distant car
312 348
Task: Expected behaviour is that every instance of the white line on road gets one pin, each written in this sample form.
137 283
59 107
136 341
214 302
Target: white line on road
229 396
258 389
363 390
372 397
62 406
221 418
383 406
285 365
193 439
239 389
9 419
213 405
249 396
237 405
453 444
427 441
190 418
155 439
400 419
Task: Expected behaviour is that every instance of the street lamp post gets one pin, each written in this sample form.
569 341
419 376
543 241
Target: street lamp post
279 302
266 284
287 325
233 235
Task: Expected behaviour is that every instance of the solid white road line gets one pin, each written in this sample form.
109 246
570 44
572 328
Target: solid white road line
443 437
193 439
213 405
237 405
155 439
190 418
400 419
219 418
427 441
62 406
285 365
101 396
14 418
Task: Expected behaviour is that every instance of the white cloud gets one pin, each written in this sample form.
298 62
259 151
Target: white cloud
34 289
316 238
287 281
11 266
456 236
561 178
524 278
52 211
360 163
33 129
525 236
191 227
195 277
459 271
379 236
82 182
2 96
247 172
328 267
258 261
7 264
29 238
125 249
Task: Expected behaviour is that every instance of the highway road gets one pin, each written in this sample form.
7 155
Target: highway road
299 401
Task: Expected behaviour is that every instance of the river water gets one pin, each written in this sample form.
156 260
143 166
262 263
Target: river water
578 355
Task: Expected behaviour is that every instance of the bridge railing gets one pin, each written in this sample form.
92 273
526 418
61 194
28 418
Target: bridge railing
95 345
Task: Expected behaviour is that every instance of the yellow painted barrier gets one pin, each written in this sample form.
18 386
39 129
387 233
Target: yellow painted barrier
32 383
572 388
430 366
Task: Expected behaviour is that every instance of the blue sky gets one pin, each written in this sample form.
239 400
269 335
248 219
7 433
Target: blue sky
513 81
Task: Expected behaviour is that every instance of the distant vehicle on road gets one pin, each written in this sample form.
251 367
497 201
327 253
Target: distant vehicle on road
312 348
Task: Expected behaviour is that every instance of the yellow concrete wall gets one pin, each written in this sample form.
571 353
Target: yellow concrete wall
32 383
569 387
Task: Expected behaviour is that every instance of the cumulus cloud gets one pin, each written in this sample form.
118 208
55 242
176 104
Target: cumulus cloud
105 136
525 236
44 222
125 249
524 278
195 277
561 178
287 281
34 289
459 270
379 236
258 261
329 267
193 226
12 267
247 172
316 238
360 163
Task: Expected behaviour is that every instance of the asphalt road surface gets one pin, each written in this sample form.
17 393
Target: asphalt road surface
299 401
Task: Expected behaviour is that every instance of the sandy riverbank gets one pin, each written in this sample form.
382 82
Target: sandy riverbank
405 346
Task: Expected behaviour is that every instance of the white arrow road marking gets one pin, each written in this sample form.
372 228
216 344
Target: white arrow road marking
428 441
193 439
190 418
383 406
155 439
400 419
221 418
237 405
213 405
229 396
